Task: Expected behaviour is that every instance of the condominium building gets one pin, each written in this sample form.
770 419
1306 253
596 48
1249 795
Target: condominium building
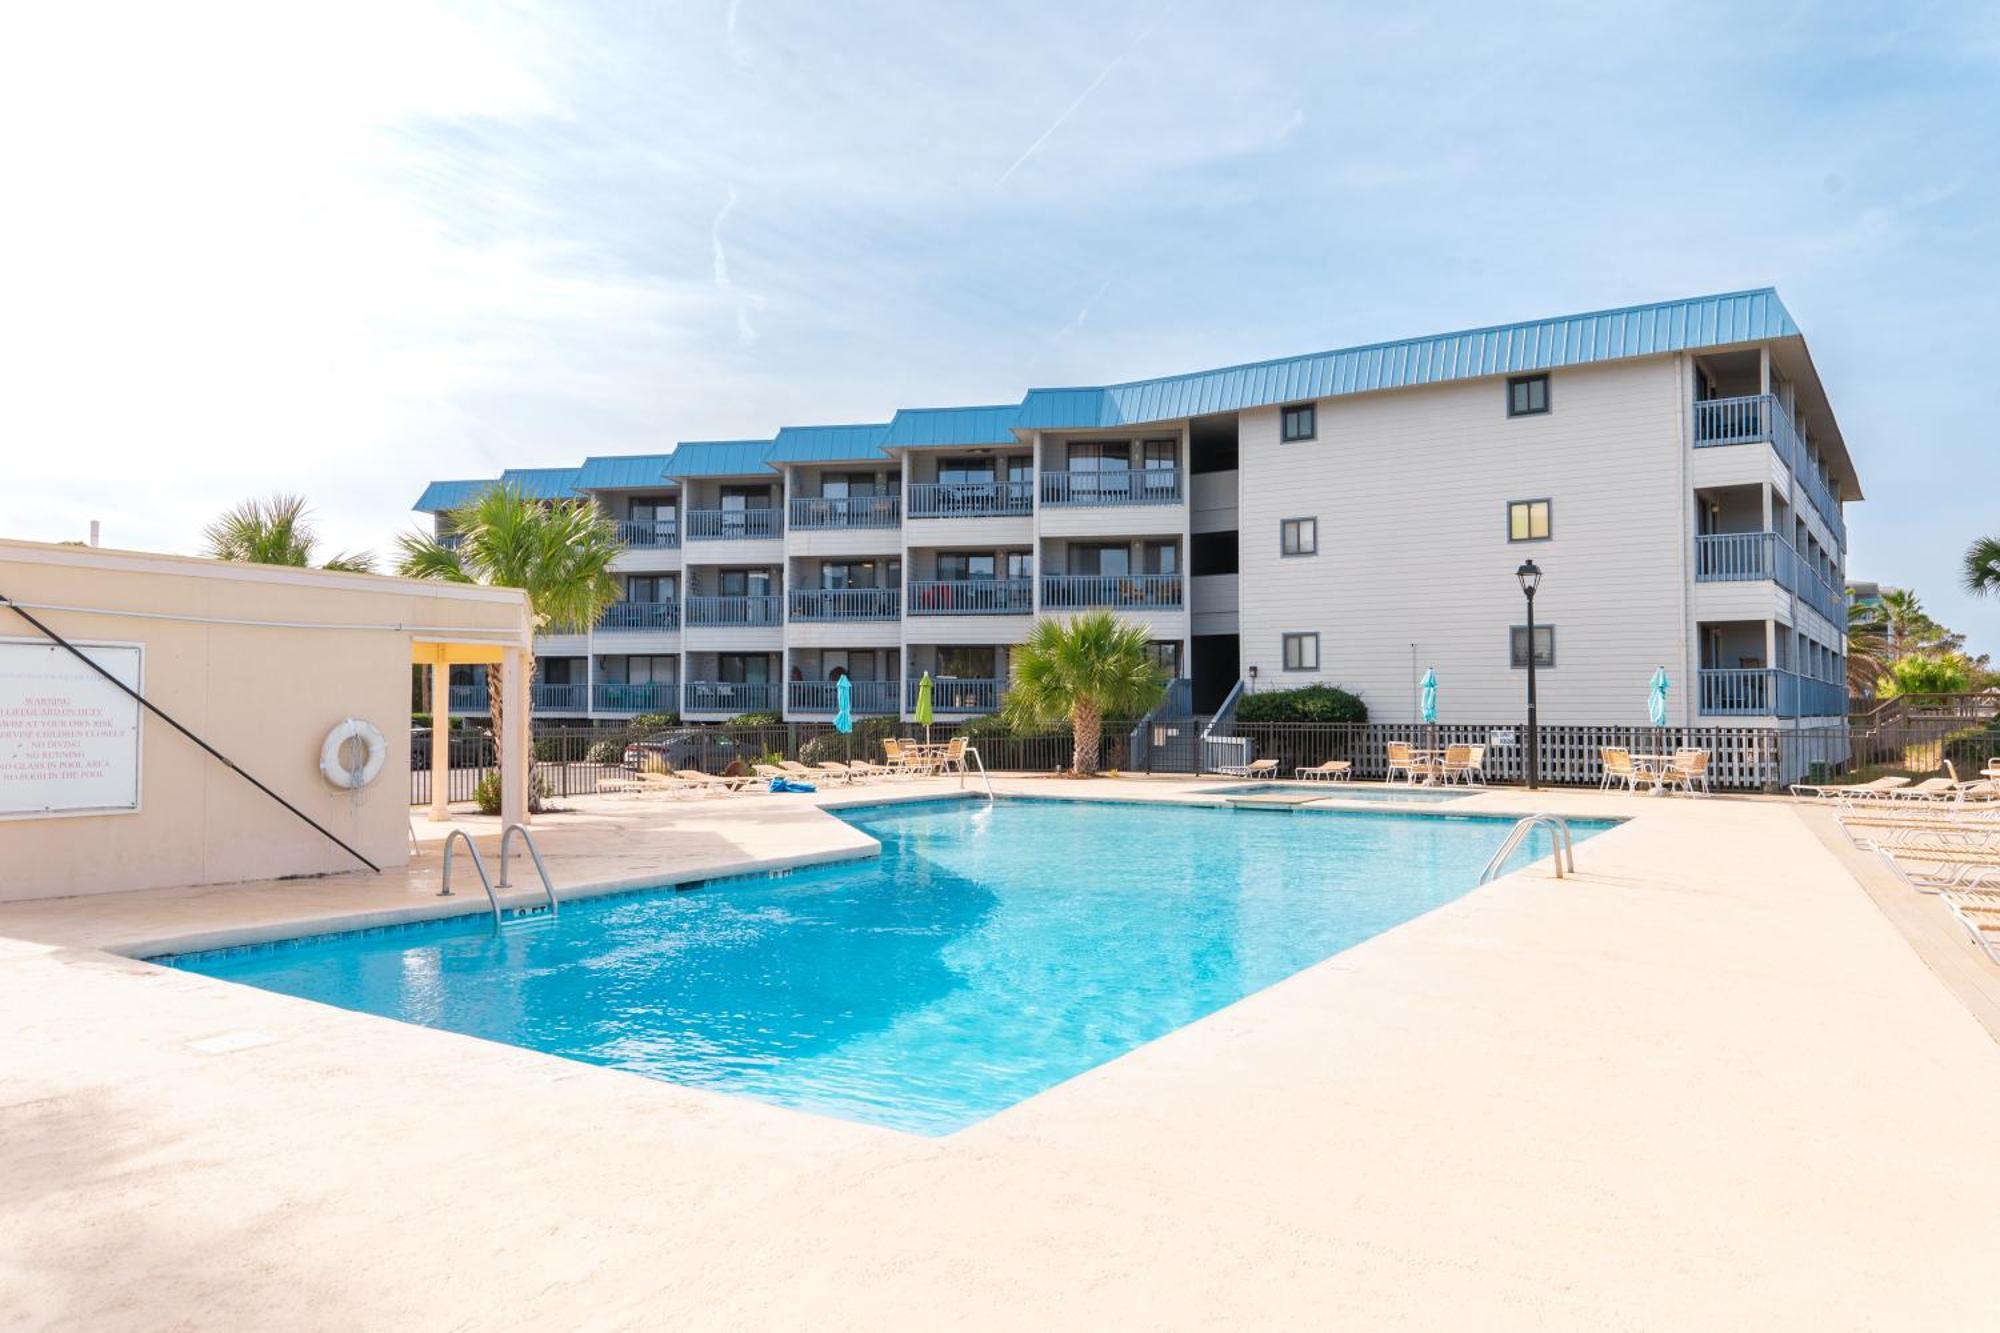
1352 517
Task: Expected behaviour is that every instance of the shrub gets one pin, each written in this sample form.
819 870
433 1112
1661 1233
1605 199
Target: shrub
646 722
607 752
1927 673
487 794
864 743
755 720
1311 703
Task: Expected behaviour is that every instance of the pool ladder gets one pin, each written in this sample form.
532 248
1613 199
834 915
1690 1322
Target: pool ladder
972 753
485 882
1565 846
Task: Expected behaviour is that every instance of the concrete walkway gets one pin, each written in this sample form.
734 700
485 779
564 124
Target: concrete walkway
1705 1084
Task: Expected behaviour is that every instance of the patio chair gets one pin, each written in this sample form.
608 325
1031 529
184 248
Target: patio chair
1618 767
1256 768
1403 759
953 758
903 761
1466 763
1333 770
1687 770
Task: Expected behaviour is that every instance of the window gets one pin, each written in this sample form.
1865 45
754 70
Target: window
1100 559
968 663
1161 558
1301 652
1165 654
1298 536
960 566
1298 422
1527 520
1545 646
965 471
1213 552
1527 395
1020 564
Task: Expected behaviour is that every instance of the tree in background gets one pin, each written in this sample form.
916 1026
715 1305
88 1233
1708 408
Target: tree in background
1867 649
1929 673
1908 628
1982 567
558 553
277 531
1084 669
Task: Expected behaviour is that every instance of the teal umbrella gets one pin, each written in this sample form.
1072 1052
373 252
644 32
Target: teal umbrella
843 715
924 704
1656 703
1430 683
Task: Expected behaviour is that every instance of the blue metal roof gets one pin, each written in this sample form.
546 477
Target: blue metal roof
827 444
441 496
720 458
615 472
921 427
1503 349
542 483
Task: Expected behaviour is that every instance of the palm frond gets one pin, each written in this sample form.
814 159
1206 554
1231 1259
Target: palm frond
264 532
1982 566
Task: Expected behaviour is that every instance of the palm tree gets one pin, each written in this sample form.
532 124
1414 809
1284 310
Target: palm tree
277 531
1085 669
559 554
1982 566
1868 654
1904 622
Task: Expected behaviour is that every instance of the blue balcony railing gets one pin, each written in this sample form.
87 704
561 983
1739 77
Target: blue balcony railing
468 699
733 525
655 532
763 609
1760 418
845 603
1738 557
640 616
732 697
848 511
971 499
870 697
1124 486
971 597
1768 692
957 694
653 696
565 698
1069 592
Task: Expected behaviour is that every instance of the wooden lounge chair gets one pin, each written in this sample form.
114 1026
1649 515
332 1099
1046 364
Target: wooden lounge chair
1333 770
1256 768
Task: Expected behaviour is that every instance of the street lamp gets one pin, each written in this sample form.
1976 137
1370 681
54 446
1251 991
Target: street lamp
1530 575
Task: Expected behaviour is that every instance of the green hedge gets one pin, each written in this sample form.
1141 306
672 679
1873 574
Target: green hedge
756 720
1312 703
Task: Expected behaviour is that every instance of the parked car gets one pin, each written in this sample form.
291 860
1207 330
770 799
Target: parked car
708 751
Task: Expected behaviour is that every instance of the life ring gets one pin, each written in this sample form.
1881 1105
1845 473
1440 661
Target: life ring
335 768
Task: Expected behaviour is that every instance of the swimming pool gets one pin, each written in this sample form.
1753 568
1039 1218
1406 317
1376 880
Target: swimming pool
991 952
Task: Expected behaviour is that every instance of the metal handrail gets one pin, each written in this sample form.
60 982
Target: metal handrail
506 838
972 753
444 890
1565 845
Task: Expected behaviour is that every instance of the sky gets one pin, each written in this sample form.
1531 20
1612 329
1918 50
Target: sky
341 250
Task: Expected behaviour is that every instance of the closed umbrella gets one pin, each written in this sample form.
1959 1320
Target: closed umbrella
924 704
843 713
1656 702
1430 713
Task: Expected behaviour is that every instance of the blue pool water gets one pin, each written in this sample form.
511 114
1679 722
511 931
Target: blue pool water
1345 791
991 952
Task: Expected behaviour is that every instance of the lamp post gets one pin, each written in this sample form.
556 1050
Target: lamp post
1530 575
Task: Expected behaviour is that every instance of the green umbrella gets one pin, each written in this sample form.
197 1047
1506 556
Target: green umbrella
924 704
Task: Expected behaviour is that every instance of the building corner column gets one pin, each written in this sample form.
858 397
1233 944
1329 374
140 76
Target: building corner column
440 669
515 757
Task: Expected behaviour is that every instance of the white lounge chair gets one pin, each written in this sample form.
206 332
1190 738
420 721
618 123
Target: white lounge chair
1333 770
1936 870
1256 768
1979 913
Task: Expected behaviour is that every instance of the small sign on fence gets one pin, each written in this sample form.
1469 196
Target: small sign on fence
1500 740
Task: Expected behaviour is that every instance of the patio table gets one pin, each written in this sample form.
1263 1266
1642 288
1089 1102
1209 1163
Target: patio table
1653 767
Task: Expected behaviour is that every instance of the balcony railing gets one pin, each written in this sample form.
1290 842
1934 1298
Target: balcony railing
971 597
845 603
629 616
873 697
659 532
971 499
733 525
1127 486
565 698
1768 692
957 694
1737 557
468 698
764 609
653 696
853 511
724 696
1069 592
1758 418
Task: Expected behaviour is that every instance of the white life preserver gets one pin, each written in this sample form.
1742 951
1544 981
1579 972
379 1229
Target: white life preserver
335 768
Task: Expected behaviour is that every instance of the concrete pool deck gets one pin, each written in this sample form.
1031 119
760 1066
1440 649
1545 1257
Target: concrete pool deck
1707 1083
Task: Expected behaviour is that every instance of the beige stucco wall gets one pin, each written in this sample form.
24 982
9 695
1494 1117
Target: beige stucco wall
264 693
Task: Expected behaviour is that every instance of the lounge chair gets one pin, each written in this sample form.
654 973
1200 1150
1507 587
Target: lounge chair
700 781
1466 763
1256 768
1824 791
1333 770
1687 770
832 768
1979 913
1936 870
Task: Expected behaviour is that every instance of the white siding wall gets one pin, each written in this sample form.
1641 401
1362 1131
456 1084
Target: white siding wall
1410 489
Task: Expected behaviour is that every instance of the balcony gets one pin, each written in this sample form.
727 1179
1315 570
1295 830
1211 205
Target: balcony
1759 418
958 694
653 696
856 511
845 604
971 597
866 698
732 697
640 616
733 525
735 612
468 699
567 698
1072 592
1739 557
661 533
1767 692
971 499
1114 489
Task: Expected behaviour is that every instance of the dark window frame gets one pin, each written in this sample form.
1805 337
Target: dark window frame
1285 415
1514 381
1313 549
1285 641
1546 501
1516 633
